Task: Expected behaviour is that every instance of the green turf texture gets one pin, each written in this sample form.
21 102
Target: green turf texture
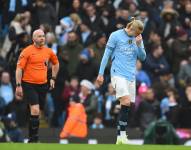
39 146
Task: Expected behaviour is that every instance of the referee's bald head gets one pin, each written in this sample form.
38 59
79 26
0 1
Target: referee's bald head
39 37
37 32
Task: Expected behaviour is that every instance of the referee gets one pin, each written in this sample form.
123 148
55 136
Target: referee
31 78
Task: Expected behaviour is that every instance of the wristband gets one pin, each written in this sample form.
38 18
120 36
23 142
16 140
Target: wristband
53 78
18 84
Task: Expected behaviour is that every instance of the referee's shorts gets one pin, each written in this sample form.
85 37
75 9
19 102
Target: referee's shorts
123 87
35 93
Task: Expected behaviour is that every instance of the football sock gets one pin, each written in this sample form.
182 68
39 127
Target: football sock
123 120
33 128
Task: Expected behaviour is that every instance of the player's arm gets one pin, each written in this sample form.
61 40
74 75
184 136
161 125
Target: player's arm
110 46
141 54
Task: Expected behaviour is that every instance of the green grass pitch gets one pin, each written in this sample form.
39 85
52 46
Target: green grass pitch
39 146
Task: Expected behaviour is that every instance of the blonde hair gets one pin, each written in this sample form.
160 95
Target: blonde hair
75 17
136 24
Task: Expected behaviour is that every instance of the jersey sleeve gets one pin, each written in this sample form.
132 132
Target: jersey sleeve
110 46
141 53
21 63
53 57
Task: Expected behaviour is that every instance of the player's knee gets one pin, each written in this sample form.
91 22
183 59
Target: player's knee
35 110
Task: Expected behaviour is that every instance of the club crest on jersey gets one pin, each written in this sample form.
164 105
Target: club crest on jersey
130 41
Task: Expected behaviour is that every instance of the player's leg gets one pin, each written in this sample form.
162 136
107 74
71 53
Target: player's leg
122 94
31 96
125 101
123 118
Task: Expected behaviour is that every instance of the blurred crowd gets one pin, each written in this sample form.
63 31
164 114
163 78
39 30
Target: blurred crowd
77 31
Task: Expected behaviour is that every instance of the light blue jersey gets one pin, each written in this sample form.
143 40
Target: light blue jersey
124 53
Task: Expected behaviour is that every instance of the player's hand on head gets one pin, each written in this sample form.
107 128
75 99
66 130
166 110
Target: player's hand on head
139 40
100 80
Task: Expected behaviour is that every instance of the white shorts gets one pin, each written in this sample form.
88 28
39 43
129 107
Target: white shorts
123 87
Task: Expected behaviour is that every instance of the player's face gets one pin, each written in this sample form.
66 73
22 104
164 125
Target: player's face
39 39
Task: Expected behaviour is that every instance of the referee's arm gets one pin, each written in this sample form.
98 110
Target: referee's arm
55 64
19 74
21 63
55 69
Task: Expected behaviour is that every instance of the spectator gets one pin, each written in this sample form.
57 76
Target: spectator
149 25
148 110
59 103
6 89
11 8
3 64
105 11
141 75
185 110
97 123
12 128
76 123
73 48
18 26
67 25
169 24
184 73
76 7
51 42
71 88
86 68
92 19
4 137
20 109
98 47
165 81
154 38
88 99
185 19
86 35
152 7
43 13
170 107
181 49
156 63
110 99
100 97
119 20
23 40
142 93
76 20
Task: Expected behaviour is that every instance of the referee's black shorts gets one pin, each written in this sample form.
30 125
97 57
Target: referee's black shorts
35 93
